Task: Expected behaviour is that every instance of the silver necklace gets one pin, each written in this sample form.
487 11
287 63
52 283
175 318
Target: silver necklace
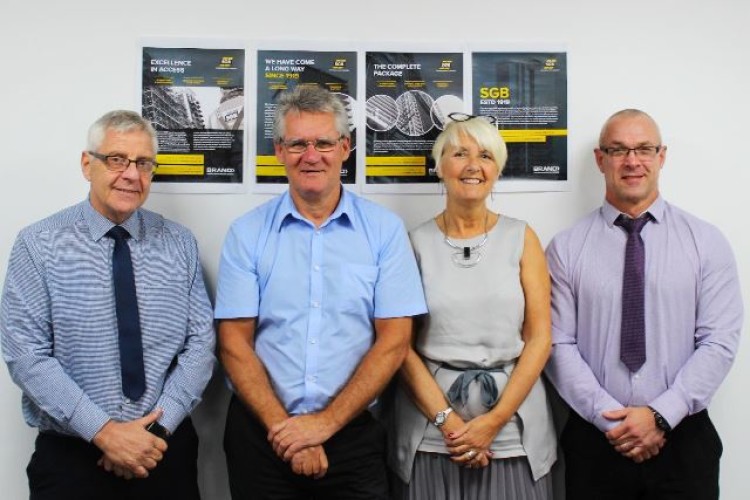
466 256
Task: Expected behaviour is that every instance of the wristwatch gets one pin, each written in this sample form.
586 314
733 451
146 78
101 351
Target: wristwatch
661 422
441 417
158 430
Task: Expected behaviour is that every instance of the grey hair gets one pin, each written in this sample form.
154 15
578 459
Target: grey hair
479 129
627 113
120 121
309 99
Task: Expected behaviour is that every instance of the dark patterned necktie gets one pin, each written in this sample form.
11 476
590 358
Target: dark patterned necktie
128 319
633 329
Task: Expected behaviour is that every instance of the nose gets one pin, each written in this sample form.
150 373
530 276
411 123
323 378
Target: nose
630 157
131 171
310 154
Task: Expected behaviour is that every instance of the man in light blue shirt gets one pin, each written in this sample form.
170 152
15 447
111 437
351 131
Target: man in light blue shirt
641 430
316 292
62 339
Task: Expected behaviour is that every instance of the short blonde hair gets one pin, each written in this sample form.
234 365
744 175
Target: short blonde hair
479 129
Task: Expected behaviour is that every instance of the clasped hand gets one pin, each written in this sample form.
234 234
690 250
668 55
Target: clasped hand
636 437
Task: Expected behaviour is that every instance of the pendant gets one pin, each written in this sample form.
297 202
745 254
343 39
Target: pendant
464 258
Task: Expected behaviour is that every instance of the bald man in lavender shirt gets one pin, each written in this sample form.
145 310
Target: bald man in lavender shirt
641 430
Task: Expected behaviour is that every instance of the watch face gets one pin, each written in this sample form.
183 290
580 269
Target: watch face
440 418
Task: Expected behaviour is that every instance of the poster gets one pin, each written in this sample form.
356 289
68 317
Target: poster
526 94
408 98
195 98
280 70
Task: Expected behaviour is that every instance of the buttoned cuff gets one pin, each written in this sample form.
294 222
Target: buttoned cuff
173 415
87 419
671 406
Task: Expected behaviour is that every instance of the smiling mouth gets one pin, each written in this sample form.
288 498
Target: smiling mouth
472 181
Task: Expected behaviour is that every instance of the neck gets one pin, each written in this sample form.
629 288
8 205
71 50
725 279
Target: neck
466 222
315 209
632 209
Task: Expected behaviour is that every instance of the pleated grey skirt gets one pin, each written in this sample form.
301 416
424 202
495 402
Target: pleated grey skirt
435 477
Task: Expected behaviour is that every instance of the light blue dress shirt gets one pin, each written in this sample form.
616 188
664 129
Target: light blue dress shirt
59 329
693 313
316 291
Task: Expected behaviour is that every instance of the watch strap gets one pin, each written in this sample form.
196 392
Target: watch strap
661 422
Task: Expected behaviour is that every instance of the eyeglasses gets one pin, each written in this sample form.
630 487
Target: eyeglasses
642 152
321 145
119 163
465 117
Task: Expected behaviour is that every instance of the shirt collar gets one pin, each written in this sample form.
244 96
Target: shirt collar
656 210
288 211
99 225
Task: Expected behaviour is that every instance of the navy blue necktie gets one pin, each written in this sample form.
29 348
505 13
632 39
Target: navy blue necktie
633 328
128 319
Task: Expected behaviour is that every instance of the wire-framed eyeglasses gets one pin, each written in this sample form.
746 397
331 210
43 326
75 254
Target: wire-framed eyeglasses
645 152
120 163
458 116
321 145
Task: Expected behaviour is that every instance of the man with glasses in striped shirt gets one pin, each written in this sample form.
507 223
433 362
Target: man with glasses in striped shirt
107 329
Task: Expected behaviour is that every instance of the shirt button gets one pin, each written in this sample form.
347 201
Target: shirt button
313 341
127 401
315 303
311 378
316 267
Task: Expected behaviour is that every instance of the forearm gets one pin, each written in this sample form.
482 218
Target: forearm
185 383
525 374
249 376
421 385
373 373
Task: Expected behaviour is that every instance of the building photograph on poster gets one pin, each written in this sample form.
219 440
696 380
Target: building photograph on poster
525 94
195 99
408 98
280 70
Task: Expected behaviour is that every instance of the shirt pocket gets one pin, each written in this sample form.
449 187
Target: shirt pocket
354 290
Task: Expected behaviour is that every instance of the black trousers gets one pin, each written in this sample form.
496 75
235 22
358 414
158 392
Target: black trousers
687 467
356 462
64 468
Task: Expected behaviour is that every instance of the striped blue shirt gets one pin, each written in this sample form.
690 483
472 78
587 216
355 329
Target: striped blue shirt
59 329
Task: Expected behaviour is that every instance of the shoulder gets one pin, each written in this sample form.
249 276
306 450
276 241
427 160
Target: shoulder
425 228
373 214
260 216
49 227
512 225
155 222
575 235
707 238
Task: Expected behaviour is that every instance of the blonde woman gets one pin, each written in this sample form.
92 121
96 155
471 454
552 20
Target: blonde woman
471 414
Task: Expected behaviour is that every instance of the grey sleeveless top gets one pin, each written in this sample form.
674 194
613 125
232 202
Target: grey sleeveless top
475 320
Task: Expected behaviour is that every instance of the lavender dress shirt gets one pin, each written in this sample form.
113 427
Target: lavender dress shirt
693 309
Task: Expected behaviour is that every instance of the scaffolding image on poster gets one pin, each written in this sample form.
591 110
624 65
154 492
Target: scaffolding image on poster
195 100
280 70
409 96
527 95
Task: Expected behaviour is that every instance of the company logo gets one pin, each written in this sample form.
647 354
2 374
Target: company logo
339 64
446 65
546 169
550 64
226 62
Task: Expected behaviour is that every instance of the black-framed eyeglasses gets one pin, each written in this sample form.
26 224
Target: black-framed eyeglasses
321 145
120 163
645 152
458 116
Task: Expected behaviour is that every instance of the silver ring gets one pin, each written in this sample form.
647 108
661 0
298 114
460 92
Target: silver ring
471 454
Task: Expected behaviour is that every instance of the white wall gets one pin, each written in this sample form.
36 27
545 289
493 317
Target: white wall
65 63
